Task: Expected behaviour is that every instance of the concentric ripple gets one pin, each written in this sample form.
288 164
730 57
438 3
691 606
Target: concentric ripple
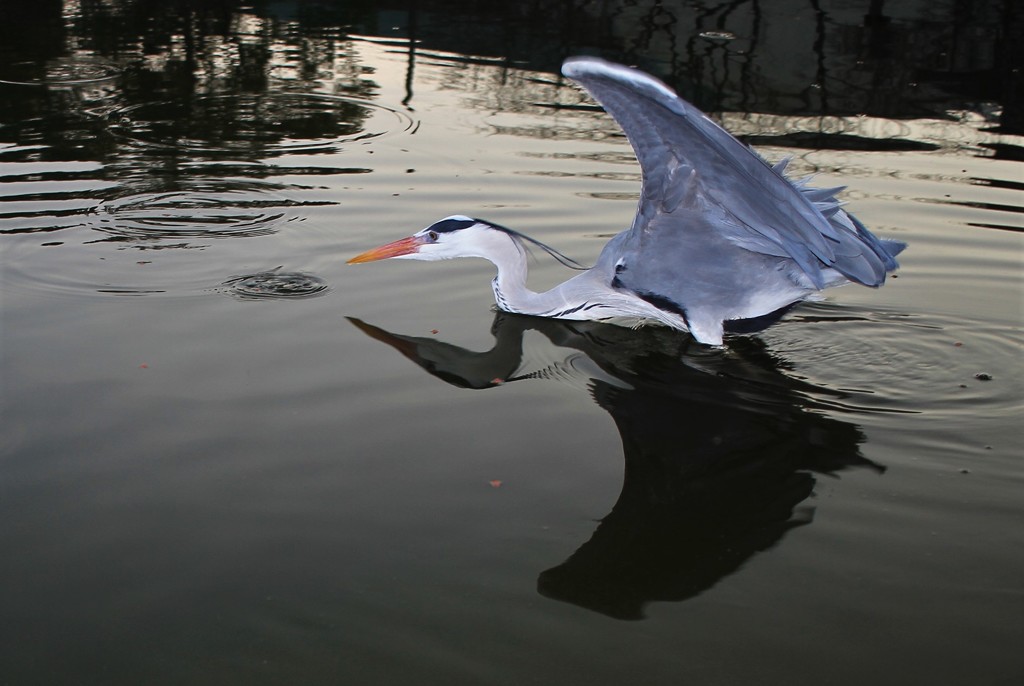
203 212
931 363
73 70
264 124
276 284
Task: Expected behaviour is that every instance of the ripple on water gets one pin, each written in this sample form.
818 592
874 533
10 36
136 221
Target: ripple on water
72 70
881 361
275 284
262 124
222 210
163 270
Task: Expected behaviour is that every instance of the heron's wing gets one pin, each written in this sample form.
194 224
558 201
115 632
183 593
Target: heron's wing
687 159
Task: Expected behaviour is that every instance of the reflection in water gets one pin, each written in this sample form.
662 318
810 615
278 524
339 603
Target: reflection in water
267 125
159 97
181 111
790 57
224 517
720 450
64 71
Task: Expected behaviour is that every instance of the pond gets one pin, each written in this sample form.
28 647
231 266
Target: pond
230 458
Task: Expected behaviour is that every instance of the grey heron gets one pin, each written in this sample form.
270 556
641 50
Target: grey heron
721 241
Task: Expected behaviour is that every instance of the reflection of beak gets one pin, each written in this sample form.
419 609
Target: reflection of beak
402 345
403 246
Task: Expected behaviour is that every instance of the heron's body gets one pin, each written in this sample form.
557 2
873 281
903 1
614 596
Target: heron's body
720 239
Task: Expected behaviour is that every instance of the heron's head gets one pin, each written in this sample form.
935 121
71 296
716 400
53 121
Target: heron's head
455 236
460 236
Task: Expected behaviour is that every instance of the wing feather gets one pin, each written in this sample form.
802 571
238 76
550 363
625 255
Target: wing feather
684 156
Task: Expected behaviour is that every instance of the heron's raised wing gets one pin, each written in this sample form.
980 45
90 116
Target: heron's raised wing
687 159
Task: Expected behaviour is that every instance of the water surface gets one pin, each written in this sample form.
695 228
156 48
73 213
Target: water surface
228 457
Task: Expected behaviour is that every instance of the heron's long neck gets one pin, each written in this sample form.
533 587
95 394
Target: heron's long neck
510 289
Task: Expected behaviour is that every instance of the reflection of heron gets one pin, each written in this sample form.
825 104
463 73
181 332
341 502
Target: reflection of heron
721 241
719 450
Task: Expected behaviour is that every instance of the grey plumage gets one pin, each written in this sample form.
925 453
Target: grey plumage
718 231
684 154
720 238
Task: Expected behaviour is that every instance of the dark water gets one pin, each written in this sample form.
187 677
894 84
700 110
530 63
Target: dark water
229 458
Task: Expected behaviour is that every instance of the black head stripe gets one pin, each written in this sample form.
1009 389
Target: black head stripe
523 239
451 224
458 222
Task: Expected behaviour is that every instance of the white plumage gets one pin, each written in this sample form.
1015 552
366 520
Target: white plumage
721 241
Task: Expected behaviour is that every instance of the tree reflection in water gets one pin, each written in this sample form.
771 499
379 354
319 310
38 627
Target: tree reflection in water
721 448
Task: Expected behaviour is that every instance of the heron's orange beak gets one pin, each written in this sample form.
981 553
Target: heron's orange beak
403 246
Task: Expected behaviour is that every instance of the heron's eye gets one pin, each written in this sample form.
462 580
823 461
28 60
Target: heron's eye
432 235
